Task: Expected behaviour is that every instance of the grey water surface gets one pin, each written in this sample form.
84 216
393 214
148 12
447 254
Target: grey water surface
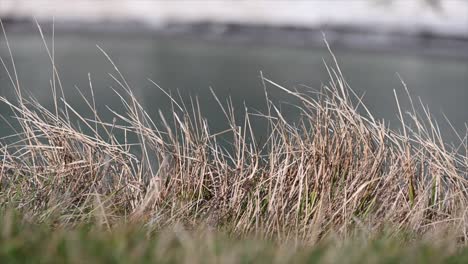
192 66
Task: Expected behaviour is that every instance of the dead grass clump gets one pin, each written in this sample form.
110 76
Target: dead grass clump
335 171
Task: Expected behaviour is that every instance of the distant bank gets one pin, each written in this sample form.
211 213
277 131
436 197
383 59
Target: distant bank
387 24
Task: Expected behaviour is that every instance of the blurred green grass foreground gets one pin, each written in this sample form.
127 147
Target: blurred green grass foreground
22 241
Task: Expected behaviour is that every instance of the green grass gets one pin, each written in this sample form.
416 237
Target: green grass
22 242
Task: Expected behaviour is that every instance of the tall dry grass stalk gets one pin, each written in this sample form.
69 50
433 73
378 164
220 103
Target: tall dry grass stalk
335 171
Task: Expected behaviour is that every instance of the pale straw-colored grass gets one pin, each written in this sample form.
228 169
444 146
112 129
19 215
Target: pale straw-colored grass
335 171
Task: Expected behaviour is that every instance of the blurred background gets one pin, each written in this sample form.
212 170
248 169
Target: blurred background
187 47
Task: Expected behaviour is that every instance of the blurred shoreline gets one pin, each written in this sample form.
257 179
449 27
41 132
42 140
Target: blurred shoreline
294 37
397 26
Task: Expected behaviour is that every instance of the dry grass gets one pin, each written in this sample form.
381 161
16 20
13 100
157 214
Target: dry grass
334 172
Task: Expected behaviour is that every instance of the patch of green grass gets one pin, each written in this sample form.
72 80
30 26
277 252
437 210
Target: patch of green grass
25 242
